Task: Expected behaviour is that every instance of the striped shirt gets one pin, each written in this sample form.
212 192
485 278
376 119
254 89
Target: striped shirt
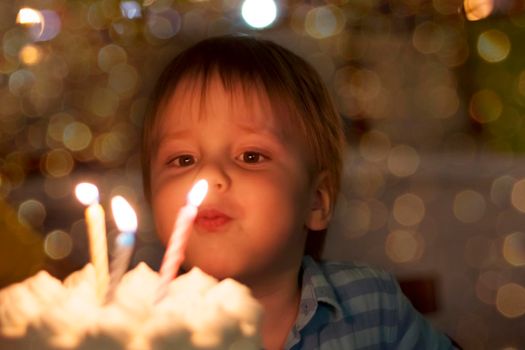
348 306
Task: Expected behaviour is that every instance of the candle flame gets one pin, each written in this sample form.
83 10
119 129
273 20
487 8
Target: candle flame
87 193
124 215
27 15
198 192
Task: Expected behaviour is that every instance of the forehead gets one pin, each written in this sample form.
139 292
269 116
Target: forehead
243 102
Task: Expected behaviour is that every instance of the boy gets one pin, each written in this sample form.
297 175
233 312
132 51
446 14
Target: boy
256 121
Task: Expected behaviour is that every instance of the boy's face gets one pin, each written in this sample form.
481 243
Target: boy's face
261 196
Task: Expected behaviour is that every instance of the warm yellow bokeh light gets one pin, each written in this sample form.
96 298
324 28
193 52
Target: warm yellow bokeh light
32 213
485 106
488 284
110 56
403 161
77 136
501 190
58 245
428 37
514 248
58 163
517 196
478 9
324 21
510 300
404 246
493 46
469 206
27 15
55 129
409 209
30 55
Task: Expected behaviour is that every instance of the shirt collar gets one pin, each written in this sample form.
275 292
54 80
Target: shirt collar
317 286
316 292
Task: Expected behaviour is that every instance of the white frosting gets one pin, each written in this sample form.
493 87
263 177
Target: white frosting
198 312
22 303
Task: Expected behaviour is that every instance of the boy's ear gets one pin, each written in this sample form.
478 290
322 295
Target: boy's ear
321 205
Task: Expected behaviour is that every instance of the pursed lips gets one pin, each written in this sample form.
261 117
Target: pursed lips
211 219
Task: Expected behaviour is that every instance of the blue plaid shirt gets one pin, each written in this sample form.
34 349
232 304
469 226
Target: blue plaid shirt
348 306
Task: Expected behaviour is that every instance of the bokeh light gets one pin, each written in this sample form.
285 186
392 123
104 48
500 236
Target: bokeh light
518 195
30 55
485 106
469 206
488 283
493 46
58 244
77 136
501 189
111 55
27 15
164 24
404 246
32 213
428 38
131 9
324 21
403 161
514 248
510 300
409 209
48 28
259 13
478 9
57 163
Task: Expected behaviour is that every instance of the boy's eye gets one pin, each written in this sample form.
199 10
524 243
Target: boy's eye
252 157
182 161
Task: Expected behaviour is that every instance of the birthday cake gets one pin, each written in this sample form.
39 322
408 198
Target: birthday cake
197 312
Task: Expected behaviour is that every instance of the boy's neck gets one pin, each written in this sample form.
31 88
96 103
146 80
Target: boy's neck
280 300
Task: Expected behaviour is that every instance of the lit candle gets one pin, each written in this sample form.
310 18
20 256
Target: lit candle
174 254
87 194
126 221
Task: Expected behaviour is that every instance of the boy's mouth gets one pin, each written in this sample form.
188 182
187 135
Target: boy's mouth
211 219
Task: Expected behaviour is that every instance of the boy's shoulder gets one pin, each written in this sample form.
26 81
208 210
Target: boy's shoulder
340 274
353 287
352 271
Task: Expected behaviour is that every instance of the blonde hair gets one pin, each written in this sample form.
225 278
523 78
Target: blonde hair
286 78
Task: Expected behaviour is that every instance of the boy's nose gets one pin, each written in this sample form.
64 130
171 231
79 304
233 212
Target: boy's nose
216 176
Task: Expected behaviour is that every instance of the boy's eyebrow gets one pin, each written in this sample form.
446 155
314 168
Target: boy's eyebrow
257 130
175 134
